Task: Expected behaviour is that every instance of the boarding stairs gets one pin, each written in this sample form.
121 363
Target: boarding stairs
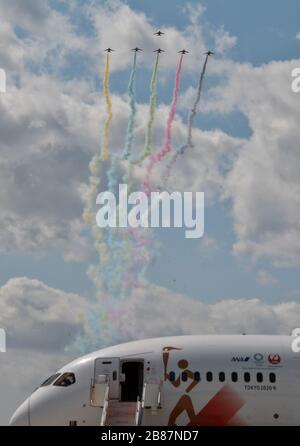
123 413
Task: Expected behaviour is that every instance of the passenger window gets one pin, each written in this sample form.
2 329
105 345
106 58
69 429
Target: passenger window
272 377
197 376
50 380
221 377
234 377
259 377
114 375
66 380
209 376
172 376
247 377
184 376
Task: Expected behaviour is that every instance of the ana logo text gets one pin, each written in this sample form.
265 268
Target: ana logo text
240 359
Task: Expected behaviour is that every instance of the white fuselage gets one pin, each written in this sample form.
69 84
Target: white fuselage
186 380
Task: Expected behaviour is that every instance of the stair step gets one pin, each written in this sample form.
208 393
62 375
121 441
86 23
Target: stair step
121 413
119 423
121 410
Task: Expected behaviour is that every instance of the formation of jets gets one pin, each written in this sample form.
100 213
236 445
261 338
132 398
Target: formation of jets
159 50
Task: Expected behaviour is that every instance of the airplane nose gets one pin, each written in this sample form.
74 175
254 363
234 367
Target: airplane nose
21 415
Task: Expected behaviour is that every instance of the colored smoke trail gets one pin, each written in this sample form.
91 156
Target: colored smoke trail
117 239
142 255
167 146
134 241
152 106
106 127
192 114
111 175
131 92
124 253
91 191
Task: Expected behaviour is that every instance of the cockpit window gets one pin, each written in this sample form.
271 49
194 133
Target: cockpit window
65 380
50 380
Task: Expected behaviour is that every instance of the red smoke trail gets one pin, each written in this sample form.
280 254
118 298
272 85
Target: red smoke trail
167 146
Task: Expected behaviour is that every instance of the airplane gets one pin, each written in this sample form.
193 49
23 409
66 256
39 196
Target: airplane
159 51
136 49
183 51
158 33
195 380
209 53
109 50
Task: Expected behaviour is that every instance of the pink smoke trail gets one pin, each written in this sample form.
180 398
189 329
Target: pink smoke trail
153 159
142 243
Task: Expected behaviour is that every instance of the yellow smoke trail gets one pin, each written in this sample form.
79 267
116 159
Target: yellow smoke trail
152 106
91 191
106 127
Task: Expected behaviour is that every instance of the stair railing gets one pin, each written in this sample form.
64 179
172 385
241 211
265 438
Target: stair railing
139 412
105 407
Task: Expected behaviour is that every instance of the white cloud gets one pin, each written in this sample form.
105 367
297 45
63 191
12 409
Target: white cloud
298 35
155 311
265 278
40 321
38 317
48 137
47 36
55 125
138 29
264 181
51 127
22 371
190 316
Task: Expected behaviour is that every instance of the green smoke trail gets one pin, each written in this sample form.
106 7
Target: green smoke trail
152 106
131 92
106 127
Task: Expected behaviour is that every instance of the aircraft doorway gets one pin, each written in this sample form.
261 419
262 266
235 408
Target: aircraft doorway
132 386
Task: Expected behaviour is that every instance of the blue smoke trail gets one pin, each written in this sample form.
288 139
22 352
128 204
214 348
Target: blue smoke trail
115 237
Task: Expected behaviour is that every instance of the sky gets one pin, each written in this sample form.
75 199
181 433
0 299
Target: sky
243 275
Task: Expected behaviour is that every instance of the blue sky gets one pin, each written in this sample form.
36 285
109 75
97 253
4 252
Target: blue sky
243 275
265 32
